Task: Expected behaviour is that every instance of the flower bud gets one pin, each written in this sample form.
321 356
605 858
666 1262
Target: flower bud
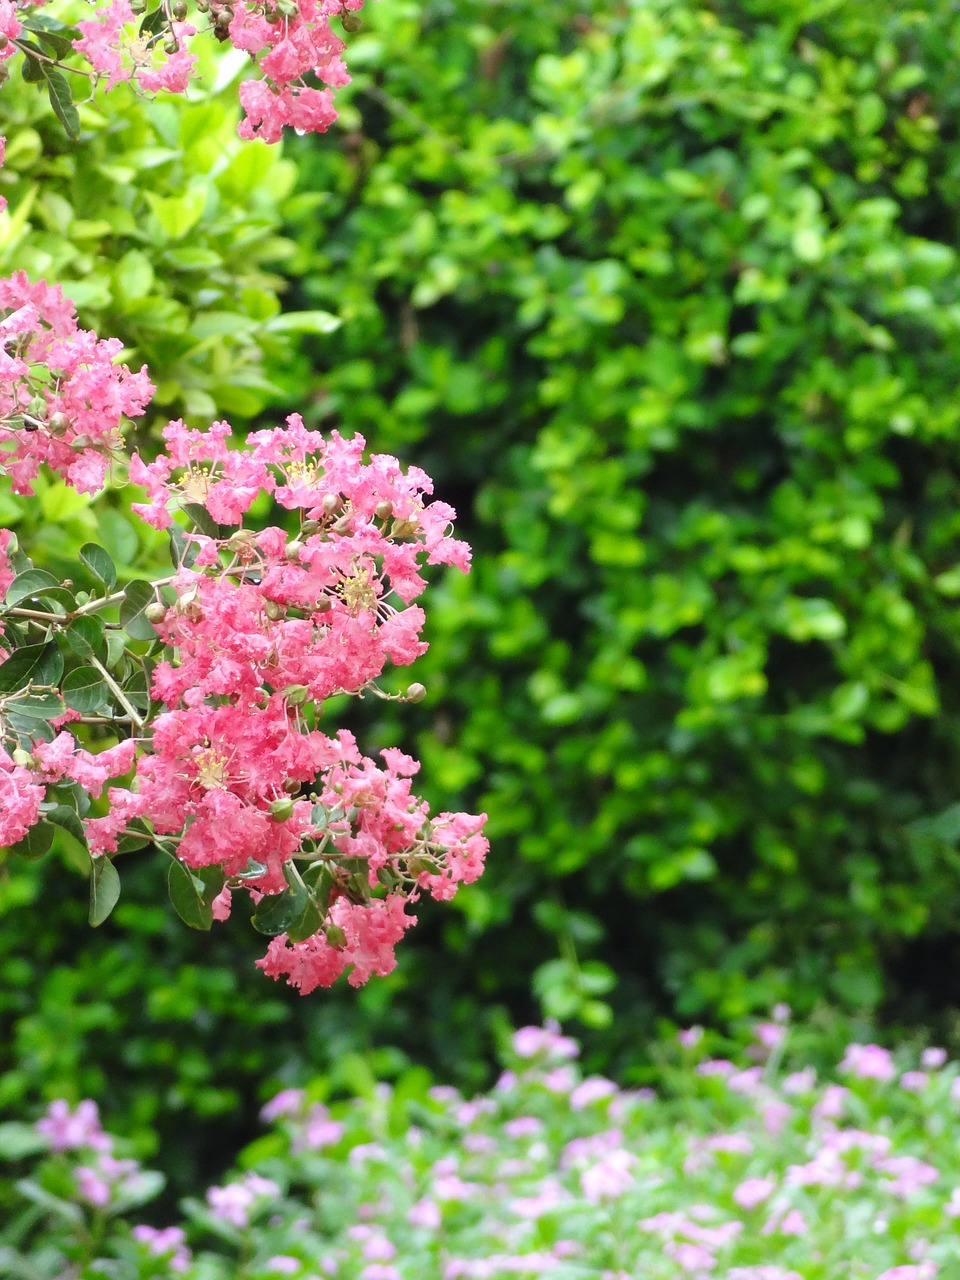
138 6
350 22
291 786
59 424
342 525
416 692
331 503
23 758
272 610
383 510
171 46
404 528
155 612
179 10
309 526
3 41
322 605
296 694
292 550
80 442
281 810
335 936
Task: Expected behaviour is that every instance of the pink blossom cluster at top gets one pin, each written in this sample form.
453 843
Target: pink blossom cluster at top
291 42
62 397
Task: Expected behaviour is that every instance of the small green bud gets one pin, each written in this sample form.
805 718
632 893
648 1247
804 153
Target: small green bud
404 528
138 6
349 21
59 424
309 526
292 550
335 936
23 758
296 694
291 786
155 612
171 46
383 510
331 503
416 692
272 610
322 605
281 810
3 41
179 10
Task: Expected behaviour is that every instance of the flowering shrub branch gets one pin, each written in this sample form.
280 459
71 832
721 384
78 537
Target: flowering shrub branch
213 677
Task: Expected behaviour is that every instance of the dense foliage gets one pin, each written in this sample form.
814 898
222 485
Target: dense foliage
668 293
752 1171
665 294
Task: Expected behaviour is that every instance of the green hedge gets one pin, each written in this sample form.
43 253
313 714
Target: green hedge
666 295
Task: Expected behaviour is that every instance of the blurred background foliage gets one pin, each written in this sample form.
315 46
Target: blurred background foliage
664 294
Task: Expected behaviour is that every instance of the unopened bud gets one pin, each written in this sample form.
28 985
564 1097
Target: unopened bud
291 786
296 694
383 510
309 526
322 605
292 550
281 810
3 41
23 758
350 22
171 46
59 424
179 10
203 6
138 6
155 612
80 442
404 528
331 503
416 693
342 525
335 936
272 610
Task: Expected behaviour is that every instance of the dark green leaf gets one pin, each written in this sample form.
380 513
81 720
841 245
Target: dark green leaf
39 706
59 43
187 893
182 552
28 729
104 889
278 912
36 843
99 563
85 636
84 689
32 68
35 582
306 923
33 664
136 596
61 815
61 100
202 518
153 23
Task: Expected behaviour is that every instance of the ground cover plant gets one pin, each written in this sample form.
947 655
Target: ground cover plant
752 1169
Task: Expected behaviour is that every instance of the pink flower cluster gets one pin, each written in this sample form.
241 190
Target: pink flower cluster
263 628
62 398
104 1177
291 41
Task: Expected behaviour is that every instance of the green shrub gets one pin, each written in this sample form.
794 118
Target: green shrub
666 294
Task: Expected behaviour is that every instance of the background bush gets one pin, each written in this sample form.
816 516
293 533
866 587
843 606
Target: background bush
665 297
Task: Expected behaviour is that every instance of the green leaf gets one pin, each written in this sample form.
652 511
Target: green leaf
35 844
32 68
32 664
104 889
202 518
85 636
187 893
304 322
84 689
99 563
153 23
136 596
279 911
40 706
61 815
18 1140
306 924
182 552
35 582
62 101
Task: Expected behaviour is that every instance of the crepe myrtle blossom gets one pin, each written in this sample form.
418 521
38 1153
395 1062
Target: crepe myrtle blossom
291 43
63 398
